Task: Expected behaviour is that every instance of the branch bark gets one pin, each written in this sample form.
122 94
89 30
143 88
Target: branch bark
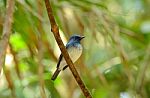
6 30
55 30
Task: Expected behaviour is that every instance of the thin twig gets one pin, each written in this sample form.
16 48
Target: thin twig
9 81
50 50
41 68
16 61
55 30
79 22
8 76
142 71
28 8
114 31
6 30
64 22
40 51
101 76
139 37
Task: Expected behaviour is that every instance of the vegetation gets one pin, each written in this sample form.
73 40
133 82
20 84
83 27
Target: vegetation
115 60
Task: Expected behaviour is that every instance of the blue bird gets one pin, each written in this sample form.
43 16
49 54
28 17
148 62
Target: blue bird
74 49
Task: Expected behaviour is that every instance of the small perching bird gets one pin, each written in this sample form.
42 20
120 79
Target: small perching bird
74 49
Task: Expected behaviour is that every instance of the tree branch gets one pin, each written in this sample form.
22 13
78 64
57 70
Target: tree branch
55 30
6 30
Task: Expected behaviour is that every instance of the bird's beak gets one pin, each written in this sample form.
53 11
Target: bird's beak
82 37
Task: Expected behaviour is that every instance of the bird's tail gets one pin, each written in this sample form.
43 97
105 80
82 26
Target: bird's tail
56 73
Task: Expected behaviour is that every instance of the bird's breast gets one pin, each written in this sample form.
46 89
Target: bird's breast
74 53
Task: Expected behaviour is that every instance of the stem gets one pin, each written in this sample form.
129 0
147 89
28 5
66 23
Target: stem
55 30
6 30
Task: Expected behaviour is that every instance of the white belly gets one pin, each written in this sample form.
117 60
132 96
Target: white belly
74 54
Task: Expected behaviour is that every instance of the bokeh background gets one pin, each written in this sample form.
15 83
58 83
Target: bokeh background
115 60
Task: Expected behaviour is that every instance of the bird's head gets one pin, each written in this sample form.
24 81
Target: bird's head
76 38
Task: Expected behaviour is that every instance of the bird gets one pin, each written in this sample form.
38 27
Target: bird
74 49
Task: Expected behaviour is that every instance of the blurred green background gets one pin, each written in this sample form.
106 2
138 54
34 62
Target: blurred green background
115 60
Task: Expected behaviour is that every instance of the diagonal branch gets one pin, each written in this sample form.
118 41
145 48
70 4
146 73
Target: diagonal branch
55 30
6 30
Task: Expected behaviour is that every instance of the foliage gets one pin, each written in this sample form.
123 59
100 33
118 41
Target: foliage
116 55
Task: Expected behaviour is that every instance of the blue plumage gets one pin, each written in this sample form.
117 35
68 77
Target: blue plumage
74 49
